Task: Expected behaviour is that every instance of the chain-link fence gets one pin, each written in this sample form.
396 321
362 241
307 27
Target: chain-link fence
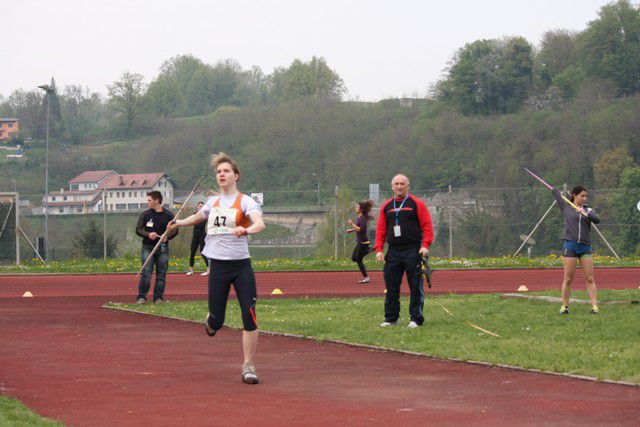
479 222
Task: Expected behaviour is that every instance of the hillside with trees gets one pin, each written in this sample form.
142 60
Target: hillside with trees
568 107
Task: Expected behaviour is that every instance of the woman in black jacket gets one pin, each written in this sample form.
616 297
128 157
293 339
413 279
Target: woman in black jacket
197 243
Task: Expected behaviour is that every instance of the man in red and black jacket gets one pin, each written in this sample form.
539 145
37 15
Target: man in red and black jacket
405 225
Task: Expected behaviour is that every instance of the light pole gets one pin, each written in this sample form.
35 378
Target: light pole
318 187
47 90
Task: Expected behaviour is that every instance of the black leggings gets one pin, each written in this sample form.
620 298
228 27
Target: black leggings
197 242
359 252
223 274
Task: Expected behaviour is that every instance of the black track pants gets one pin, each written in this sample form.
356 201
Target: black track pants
397 263
222 275
359 252
197 243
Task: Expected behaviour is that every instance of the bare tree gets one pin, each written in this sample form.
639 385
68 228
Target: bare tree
126 97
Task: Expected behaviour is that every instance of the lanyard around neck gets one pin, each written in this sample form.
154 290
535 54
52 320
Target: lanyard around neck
400 208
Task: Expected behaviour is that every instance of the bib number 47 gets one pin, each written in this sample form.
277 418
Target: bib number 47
218 220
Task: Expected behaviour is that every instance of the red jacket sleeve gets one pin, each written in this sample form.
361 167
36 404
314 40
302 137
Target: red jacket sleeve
381 229
424 218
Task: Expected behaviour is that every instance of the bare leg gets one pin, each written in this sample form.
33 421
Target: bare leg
249 344
569 272
587 269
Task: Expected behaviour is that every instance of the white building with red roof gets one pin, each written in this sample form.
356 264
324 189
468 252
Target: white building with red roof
118 192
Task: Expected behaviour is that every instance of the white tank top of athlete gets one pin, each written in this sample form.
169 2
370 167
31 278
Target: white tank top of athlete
220 243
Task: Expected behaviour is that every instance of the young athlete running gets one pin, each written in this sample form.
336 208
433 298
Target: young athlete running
232 216
577 244
362 241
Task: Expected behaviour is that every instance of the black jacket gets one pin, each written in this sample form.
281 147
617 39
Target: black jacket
152 221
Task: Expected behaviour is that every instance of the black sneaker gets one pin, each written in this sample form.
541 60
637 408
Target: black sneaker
564 309
208 325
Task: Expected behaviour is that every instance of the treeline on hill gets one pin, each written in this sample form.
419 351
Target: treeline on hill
185 86
568 108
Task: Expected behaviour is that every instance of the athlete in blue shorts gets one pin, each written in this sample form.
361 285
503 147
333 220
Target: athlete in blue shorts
577 244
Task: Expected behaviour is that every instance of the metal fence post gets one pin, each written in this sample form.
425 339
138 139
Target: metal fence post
104 226
335 235
450 226
17 228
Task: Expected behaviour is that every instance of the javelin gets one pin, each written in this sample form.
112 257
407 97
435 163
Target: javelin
575 207
155 249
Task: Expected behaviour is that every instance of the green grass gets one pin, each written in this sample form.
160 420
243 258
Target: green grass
300 264
14 413
532 334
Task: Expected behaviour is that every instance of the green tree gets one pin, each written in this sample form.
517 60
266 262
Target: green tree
126 97
557 52
56 122
29 108
82 112
462 85
253 87
569 80
313 79
610 165
88 242
610 46
166 95
490 76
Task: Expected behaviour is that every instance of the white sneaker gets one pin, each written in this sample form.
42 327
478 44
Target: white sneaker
385 324
365 280
206 273
413 325
249 375
189 273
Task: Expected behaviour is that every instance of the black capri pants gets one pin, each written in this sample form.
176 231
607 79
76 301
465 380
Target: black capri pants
359 252
197 243
223 274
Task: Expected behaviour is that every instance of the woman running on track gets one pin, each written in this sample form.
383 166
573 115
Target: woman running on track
231 216
362 241
577 244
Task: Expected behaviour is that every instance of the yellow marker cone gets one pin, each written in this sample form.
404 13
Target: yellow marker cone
276 291
27 295
523 288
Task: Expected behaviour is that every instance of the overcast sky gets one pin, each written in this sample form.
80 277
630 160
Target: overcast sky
380 48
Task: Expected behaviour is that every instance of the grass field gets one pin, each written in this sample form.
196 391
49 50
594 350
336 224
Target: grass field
132 265
14 413
532 334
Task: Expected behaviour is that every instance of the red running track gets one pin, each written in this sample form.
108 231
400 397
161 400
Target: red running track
70 360
328 284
